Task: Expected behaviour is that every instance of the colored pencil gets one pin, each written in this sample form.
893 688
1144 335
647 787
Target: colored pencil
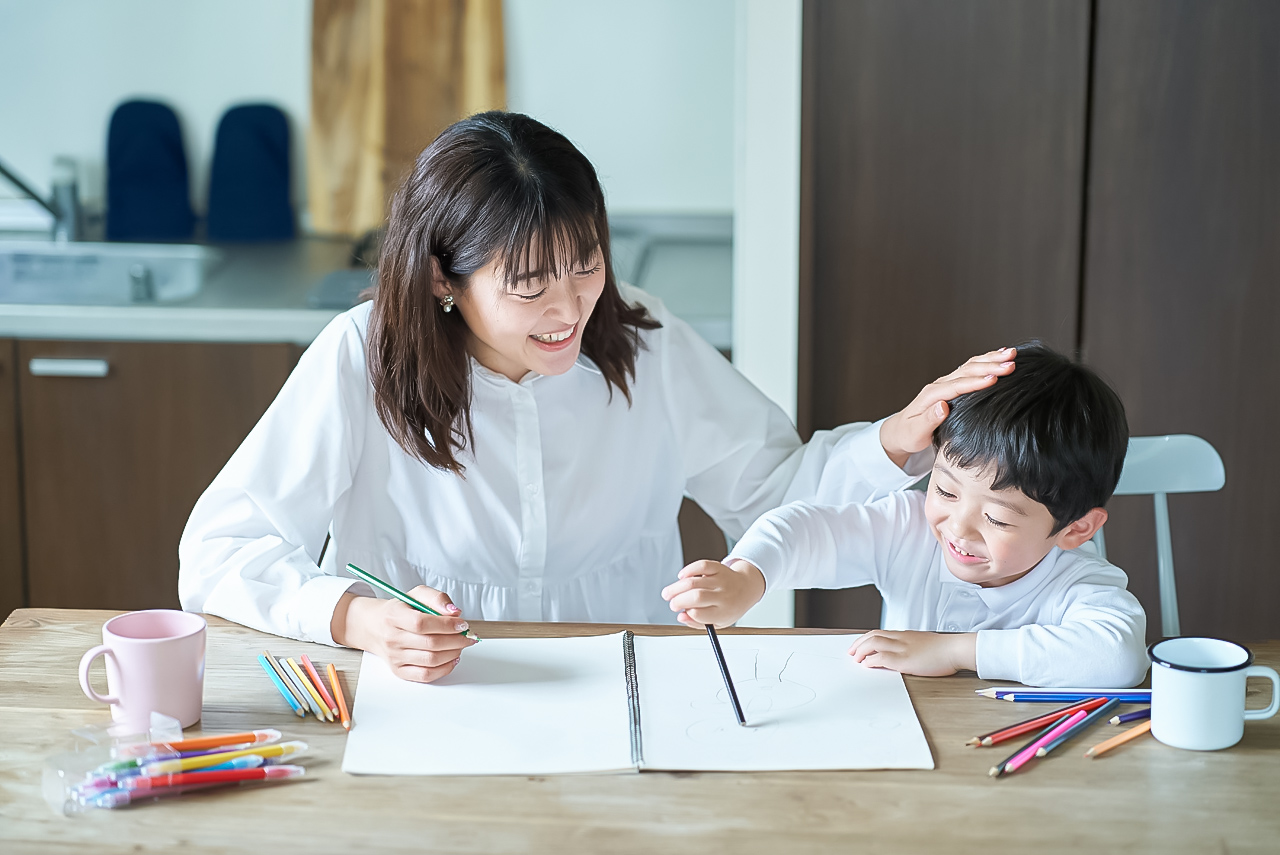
1014 730
1078 728
1118 739
186 764
724 672
297 683
998 769
319 683
253 737
275 678
401 596
1017 762
284 675
337 693
223 776
306 684
1055 690
1136 715
1123 697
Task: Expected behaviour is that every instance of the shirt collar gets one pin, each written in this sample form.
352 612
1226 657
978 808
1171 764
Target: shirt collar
584 362
1003 595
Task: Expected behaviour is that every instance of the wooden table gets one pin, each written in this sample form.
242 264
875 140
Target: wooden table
1145 797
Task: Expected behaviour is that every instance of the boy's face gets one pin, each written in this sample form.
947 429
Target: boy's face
989 537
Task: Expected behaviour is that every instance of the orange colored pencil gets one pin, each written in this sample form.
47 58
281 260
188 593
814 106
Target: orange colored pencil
337 693
1131 733
315 678
1013 730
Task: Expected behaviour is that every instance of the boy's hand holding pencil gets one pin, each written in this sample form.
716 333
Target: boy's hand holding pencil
711 593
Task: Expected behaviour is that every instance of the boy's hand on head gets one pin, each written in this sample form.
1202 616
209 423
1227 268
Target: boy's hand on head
924 654
910 430
708 592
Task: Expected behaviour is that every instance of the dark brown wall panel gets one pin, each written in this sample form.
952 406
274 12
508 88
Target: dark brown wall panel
1182 285
113 465
11 593
943 212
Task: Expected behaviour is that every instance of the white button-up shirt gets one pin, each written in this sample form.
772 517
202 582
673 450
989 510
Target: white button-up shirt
567 509
1068 622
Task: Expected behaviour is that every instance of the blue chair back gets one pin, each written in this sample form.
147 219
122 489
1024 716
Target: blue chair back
249 181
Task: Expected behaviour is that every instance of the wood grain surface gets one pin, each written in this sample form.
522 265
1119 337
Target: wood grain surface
1144 797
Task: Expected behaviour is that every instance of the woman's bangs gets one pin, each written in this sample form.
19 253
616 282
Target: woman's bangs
547 245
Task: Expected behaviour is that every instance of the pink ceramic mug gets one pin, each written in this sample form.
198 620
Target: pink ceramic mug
155 661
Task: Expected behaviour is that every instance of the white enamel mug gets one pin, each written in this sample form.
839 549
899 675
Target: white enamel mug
1197 692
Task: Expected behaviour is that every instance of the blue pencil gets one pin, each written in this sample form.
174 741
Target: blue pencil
1136 715
1079 727
1044 698
275 678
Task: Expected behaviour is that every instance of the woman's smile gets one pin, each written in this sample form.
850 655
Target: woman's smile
557 340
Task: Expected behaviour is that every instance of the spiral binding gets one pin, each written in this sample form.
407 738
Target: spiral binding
633 696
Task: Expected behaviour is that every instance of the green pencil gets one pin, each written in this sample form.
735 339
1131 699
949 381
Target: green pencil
402 596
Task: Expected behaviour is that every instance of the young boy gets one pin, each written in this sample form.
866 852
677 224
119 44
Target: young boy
989 569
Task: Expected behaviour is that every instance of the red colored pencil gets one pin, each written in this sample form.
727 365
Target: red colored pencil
315 678
1015 730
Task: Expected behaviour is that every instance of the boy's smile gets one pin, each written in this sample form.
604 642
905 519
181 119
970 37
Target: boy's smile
988 537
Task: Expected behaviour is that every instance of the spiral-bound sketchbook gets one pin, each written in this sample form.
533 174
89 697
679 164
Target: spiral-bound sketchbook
622 702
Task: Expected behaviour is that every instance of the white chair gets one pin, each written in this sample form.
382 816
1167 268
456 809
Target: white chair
1159 465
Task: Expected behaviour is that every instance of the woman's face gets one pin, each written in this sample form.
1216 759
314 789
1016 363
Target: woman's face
535 325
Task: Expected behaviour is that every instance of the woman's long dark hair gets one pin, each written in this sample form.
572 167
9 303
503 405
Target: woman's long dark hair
496 185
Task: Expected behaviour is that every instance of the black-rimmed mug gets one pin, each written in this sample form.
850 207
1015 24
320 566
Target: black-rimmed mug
1198 689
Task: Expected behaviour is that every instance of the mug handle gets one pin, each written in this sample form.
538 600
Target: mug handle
104 650
1270 674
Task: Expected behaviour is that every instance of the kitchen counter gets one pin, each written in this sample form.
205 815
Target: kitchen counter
259 292
255 293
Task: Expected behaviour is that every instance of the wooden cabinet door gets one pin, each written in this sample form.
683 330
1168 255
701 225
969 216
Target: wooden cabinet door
11 583
1182 287
941 193
113 464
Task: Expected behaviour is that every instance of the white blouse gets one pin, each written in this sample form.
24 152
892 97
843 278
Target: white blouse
1069 622
567 508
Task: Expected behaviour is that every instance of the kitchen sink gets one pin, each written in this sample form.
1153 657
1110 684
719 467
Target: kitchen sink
105 274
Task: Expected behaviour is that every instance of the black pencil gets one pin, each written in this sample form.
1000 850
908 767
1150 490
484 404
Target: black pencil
724 671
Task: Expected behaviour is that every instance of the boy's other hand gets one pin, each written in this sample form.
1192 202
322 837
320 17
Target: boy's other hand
924 654
708 592
910 430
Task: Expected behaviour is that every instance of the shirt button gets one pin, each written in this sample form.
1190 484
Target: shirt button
531 489
532 586
951 627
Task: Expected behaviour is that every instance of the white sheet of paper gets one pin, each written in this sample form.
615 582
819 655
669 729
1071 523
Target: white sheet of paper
546 706
513 706
808 705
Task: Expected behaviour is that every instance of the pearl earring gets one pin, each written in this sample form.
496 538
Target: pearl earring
447 303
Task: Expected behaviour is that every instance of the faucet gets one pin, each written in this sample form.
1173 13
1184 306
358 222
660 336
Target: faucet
65 204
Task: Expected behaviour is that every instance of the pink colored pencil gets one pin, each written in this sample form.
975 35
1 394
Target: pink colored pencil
315 678
1030 751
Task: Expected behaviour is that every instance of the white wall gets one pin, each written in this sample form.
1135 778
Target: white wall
766 226
66 64
643 88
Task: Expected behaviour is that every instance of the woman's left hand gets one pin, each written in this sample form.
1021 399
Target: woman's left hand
910 430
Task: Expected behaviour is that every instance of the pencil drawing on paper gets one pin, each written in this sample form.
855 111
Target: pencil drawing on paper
763 687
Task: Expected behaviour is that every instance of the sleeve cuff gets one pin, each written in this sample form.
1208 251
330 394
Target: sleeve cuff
316 602
998 655
876 467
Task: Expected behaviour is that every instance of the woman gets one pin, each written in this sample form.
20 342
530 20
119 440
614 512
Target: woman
505 428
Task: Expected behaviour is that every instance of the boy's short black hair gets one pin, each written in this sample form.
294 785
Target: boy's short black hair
1053 429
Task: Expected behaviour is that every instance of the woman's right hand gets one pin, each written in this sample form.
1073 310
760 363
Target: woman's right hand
910 430
419 647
